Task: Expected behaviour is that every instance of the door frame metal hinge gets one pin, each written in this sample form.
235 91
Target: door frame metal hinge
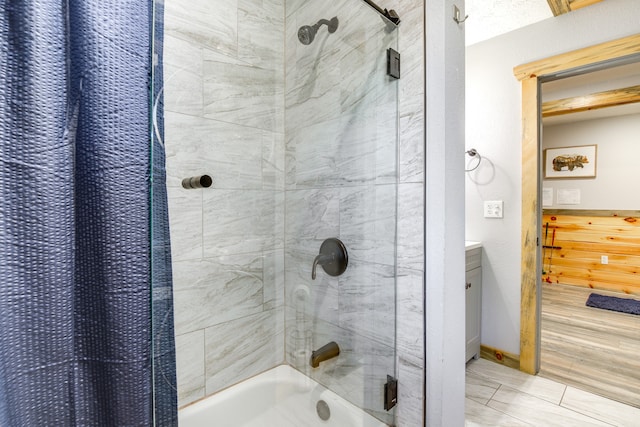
393 63
390 393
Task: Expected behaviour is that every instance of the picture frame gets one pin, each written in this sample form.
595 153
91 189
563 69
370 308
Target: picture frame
570 162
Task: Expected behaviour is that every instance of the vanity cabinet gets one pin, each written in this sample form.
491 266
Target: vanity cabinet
473 307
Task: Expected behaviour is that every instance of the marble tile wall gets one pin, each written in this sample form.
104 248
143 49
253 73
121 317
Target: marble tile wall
225 101
341 171
224 116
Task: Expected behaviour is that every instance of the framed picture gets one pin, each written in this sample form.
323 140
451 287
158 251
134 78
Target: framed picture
570 162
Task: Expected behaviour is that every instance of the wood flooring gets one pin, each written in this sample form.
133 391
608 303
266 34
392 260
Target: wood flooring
589 348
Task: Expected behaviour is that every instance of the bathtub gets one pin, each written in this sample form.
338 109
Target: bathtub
280 397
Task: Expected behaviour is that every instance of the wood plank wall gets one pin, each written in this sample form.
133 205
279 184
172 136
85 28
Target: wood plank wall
574 241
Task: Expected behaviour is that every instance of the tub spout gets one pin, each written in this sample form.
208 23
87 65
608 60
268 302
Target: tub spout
326 352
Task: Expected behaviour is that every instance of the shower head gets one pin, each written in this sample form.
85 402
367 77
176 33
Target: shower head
307 33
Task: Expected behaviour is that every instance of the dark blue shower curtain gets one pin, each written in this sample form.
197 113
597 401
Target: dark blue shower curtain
76 330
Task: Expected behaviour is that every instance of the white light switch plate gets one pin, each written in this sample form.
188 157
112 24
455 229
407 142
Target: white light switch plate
493 209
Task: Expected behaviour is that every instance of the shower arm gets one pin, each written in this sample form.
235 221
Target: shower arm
322 22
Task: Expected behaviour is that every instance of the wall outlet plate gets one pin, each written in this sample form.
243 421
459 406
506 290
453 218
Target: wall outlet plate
493 209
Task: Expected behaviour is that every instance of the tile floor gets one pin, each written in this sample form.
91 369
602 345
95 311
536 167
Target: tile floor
500 396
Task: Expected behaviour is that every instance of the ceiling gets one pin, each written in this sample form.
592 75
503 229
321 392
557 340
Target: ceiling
491 18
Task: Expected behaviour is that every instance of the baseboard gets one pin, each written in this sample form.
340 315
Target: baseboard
498 356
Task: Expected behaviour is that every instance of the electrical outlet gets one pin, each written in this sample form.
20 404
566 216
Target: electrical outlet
604 259
493 209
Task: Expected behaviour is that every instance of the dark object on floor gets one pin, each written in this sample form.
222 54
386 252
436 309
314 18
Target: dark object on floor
623 305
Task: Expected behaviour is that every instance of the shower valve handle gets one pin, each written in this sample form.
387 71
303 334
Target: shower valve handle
333 258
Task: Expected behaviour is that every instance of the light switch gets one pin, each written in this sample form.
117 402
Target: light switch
493 209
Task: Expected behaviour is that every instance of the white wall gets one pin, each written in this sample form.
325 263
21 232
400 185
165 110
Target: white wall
617 168
444 201
493 127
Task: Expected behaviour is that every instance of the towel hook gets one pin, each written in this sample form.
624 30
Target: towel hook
456 15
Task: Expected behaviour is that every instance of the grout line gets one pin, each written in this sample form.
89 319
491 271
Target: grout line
493 395
562 398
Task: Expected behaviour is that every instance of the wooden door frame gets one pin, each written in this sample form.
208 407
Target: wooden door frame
531 76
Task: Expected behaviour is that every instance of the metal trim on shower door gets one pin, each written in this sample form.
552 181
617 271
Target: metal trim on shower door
390 14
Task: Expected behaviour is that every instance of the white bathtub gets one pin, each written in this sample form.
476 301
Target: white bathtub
280 397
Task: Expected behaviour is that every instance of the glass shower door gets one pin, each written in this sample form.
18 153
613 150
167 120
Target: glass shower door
341 182
292 115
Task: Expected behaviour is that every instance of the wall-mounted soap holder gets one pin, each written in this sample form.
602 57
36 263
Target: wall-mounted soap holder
333 258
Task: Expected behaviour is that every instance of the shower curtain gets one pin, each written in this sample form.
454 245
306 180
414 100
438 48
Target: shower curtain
76 330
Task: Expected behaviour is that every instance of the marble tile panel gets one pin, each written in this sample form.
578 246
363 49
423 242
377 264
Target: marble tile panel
242 221
182 54
273 164
387 140
209 23
357 152
311 217
260 33
292 6
347 68
368 222
410 245
312 93
185 223
182 76
337 153
410 315
365 79
409 411
274 279
318 298
536 411
480 389
217 290
290 47
190 367
246 95
358 23
231 154
411 45
367 305
182 90
313 71
478 415
242 348
541 388
310 153
411 141
600 408
357 374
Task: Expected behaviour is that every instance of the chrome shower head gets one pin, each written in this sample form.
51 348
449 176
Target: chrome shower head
307 33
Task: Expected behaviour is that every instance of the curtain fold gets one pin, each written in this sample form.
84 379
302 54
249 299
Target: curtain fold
75 217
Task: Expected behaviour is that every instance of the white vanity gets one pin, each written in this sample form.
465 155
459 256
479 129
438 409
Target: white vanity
473 286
